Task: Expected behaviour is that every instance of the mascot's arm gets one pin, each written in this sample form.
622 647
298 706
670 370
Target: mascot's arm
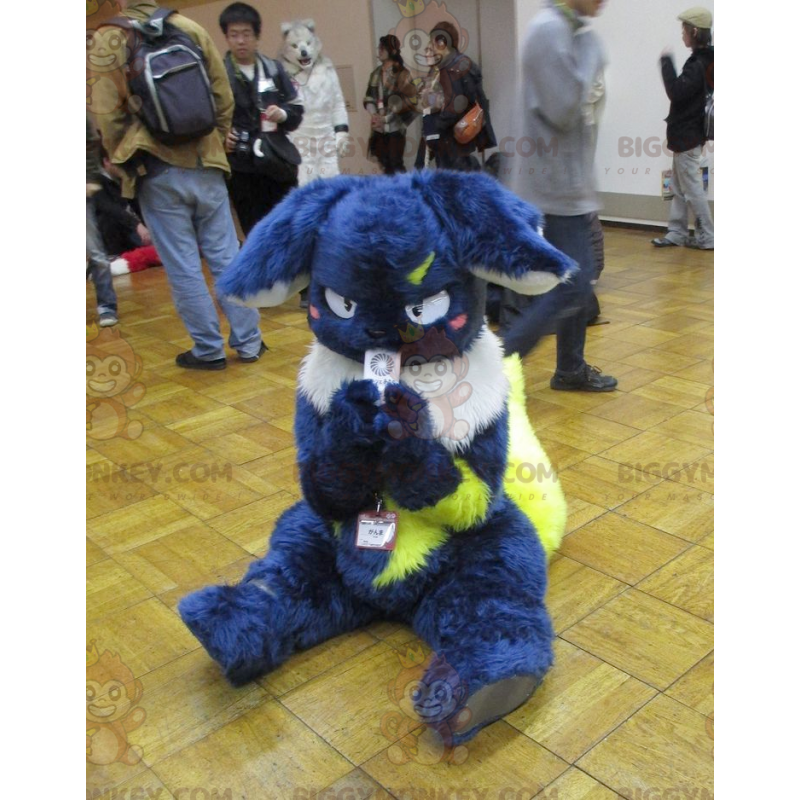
291 103
341 123
418 471
339 453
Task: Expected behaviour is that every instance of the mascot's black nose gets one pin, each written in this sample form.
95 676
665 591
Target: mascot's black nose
375 334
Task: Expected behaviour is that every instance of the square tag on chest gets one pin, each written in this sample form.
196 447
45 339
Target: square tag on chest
376 530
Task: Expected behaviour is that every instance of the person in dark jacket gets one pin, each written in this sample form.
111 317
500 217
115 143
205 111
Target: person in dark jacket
265 101
453 86
391 100
686 132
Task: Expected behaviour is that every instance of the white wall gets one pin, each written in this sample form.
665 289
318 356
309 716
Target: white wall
633 33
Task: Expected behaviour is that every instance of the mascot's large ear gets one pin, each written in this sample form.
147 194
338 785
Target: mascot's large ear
310 24
285 28
496 236
275 260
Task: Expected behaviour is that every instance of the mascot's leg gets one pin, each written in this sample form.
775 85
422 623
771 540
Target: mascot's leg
290 600
488 624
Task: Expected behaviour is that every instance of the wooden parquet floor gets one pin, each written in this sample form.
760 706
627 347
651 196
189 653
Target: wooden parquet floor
191 497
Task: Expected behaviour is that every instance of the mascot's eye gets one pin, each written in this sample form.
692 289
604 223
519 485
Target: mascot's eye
343 307
89 693
115 693
90 368
430 309
441 368
415 42
115 368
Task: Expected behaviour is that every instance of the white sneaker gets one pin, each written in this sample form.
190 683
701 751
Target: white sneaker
107 319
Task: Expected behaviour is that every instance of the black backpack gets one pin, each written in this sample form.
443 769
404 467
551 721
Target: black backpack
173 85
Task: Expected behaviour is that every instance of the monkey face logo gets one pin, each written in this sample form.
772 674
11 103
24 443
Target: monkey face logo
108 701
429 690
107 376
112 697
434 378
112 385
106 49
432 701
414 33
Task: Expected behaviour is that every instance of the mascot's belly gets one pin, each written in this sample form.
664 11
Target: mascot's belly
427 538
318 107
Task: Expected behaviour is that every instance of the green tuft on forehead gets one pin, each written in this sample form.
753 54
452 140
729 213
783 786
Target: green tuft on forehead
418 275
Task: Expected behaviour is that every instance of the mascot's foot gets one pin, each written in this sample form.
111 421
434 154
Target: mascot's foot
235 624
490 703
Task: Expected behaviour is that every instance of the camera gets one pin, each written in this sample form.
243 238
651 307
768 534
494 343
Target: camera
243 143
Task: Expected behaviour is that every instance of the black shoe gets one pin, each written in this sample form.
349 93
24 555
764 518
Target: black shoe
250 359
586 379
188 360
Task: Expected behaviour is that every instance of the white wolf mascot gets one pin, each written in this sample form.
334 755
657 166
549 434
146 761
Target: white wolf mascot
323 134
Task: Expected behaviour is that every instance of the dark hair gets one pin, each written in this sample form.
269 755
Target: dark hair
391 44
699 37
240 14
447 33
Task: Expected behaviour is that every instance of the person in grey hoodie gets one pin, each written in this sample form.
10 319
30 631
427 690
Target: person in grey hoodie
553 168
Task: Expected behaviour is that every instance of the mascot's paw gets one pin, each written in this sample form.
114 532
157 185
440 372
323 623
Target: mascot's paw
353 411
402 415
235 625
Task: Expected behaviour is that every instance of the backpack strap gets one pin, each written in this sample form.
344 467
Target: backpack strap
151 28
271 67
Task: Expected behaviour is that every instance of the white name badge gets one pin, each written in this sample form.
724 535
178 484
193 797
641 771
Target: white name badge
376 530
266 85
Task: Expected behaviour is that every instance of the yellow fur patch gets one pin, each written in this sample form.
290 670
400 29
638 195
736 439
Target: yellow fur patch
418 275
426 530
530 480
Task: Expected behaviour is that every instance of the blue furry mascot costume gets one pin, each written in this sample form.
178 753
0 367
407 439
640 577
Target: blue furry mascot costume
392 263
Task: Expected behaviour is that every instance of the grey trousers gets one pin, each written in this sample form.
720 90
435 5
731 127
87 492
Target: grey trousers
98 269
687 188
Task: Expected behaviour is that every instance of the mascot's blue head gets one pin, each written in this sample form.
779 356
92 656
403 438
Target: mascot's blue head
383 256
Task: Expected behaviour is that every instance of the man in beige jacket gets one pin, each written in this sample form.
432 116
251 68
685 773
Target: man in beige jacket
184 201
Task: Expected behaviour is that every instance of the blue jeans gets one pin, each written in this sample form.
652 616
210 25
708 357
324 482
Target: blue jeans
567 303
186 211
99 269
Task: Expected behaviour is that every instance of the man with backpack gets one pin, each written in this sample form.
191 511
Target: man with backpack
687 132
266 108
172 155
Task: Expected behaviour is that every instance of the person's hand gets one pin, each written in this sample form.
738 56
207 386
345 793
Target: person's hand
377 123
666 52
230 142
144 235
275 113
92 189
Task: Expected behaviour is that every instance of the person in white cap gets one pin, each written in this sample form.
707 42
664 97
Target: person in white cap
686 132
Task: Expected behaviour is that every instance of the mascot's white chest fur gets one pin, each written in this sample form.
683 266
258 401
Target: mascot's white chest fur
474 403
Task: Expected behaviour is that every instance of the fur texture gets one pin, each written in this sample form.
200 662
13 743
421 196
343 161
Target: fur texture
468 571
